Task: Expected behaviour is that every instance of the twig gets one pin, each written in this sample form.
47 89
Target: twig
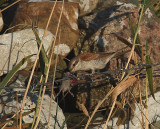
10 5
113 105
98 105
34 66
135 114
146 120
134 41
51 55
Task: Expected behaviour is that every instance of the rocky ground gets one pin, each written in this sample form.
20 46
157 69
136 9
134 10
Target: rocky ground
86 26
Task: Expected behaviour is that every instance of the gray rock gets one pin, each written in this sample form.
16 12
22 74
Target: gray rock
68 33
153 115
103 27
1 22
100 29
17 45
8 104
37 0
86 6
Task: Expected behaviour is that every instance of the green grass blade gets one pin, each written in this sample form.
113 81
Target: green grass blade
133 27
149 73
2 1
42 56
13 71
56 121
137 48
149 3
63 124
37 105
136 2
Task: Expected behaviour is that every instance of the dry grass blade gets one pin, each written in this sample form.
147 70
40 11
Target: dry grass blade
34 66
136 115
98 105
84 109
109 93
8 118
39 111
10 5
5 117
122 86
17 108
134 41
110 114
15 127
38 117
147 105
50 60
140 97
140 108
122 116
50 105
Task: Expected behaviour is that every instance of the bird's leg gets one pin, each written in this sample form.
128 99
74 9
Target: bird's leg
58 93
93 71
71 93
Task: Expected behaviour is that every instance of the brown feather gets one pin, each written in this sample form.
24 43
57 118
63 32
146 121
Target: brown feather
89 56
93 56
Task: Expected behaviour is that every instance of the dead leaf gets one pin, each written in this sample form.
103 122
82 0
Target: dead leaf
122 114
123 85
83 109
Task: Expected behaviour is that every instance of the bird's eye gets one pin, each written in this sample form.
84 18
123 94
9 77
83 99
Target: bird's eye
75 63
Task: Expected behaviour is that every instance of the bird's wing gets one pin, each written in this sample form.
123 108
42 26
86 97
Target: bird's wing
89 56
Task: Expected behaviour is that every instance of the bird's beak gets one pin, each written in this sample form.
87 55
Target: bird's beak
71 69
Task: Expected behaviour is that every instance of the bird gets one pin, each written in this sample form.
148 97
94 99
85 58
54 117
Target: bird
90 61
67 84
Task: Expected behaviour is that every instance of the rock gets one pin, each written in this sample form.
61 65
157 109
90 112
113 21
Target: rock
101 26
89 94
108 4
17 45
37 0
8 104
100 36
97 34
153 109
1 22
37 13
155 125
86 6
